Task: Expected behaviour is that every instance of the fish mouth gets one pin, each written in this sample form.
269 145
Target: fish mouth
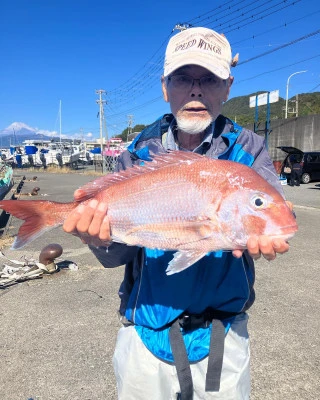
287 232
284 236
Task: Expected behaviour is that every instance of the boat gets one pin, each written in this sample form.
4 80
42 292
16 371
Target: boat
84 156
6 156
50 153
6 179
61 153
34 153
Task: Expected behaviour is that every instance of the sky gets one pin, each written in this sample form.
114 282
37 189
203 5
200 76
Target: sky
55 55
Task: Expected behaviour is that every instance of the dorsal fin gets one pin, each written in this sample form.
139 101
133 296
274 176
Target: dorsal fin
171 160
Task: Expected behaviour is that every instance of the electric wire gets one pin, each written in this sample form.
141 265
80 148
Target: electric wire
249 60
126 93
133 88
235 13
213 10
280 47
255 18
275 70
275 28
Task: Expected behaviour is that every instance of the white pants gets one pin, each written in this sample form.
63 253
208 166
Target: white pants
142 376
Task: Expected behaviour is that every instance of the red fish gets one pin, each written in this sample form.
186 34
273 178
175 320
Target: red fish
179 201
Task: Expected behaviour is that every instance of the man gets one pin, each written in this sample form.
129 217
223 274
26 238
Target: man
185 335
296 172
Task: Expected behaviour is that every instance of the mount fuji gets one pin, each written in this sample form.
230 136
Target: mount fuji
17 132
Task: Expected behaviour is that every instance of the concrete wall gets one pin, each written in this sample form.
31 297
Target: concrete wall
302 133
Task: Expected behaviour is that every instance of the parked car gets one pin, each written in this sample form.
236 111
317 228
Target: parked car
310 161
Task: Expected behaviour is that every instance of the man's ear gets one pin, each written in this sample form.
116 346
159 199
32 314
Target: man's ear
164 89
230 82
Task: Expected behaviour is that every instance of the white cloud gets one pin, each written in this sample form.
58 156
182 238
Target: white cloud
47 133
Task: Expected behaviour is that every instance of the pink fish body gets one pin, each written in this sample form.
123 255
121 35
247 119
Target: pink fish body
180 201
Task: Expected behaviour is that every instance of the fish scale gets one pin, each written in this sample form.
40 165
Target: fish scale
179 201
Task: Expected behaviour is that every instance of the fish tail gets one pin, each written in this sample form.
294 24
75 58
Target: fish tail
39 216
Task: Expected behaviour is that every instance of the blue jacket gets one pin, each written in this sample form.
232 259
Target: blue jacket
150 299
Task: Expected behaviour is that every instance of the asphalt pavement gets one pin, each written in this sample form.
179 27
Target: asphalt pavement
57 334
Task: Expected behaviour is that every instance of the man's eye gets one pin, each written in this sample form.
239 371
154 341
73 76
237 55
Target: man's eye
183 78
209 80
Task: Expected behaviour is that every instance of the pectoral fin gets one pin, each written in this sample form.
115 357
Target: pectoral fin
184 259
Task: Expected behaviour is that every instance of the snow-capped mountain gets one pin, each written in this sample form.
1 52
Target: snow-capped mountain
17 132
18 128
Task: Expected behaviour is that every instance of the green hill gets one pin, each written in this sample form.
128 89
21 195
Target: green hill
238 108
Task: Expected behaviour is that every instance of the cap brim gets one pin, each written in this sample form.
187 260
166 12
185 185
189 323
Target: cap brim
222 73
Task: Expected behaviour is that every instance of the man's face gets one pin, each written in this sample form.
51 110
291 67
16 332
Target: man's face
195 103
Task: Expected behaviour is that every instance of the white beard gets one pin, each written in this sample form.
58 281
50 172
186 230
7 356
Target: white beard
193 126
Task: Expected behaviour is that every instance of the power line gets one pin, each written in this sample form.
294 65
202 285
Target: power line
146 64
280 47
138 107
284 25
312 90
132 89
135 88
276 69
254 18
223 7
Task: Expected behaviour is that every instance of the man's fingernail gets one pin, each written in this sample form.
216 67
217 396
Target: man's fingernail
93 203
80 208
102 206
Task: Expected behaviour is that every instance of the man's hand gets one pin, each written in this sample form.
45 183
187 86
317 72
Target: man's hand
265 246
90 222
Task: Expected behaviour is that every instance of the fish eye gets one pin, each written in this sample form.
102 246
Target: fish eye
258 202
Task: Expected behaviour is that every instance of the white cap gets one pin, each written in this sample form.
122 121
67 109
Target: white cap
199 46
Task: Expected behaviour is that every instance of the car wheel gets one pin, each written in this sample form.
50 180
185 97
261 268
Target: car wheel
305 178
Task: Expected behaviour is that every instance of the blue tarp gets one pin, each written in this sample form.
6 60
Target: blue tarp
31 149
96 150
19 160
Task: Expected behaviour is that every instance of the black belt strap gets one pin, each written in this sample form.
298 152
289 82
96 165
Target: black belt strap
216 350
215 356
181 361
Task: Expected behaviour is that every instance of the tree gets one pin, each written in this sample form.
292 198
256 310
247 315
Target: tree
136 129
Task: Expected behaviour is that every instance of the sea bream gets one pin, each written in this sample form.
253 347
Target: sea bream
179 201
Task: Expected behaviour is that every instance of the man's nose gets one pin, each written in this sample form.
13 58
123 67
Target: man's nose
196 90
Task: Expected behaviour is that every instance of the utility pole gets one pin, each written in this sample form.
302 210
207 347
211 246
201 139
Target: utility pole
130 122
101 103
